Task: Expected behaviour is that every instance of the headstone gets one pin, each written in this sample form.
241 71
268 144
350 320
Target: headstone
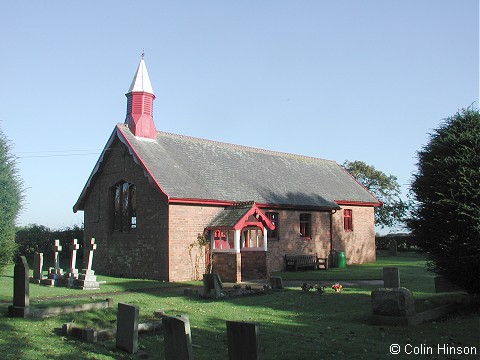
393 302
127 328
56 257
37 268
212 285
276 283
391 277
392 248
72 272
177 338
87 280
21 299
242 340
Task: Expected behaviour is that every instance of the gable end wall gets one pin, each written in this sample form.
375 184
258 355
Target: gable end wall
141 252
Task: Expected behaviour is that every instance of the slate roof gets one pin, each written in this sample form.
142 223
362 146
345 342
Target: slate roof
192 168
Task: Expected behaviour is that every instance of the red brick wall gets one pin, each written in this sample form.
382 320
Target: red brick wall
228 265
359 244
290 242
186 222
254 264
160 247
140 252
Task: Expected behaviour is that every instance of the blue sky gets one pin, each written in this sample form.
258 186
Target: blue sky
358 80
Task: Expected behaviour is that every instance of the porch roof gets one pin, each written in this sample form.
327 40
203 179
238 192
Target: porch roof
237 217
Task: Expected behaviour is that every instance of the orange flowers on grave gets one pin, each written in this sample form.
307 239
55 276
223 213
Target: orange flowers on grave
337 287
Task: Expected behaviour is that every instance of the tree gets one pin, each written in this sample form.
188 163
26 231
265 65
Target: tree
10 201
446 218
38 238
385 188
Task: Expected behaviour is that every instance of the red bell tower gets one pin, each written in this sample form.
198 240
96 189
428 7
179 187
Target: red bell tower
140 104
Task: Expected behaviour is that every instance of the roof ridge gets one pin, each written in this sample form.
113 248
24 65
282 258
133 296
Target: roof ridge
250 148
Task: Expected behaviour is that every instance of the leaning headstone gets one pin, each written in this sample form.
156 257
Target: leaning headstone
276 283
391 277
393 302
37 268
72 273
177 338
21 296
242 340
87 280
127 328
392 248
212 285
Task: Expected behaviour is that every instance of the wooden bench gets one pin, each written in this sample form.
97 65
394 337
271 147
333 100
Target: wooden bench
294 262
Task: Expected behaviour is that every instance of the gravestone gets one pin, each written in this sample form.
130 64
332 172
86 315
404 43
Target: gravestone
392 248
177 338
212 285
87 280
21 296
56 257
276 283
37 268
242 340
55 273
127 328
72 273
391 277
393 302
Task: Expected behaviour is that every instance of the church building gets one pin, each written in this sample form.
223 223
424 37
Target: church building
154 197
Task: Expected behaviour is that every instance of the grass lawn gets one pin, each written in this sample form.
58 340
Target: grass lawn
293 324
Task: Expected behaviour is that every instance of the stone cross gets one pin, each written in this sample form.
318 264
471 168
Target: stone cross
391 277
242 340
21 296
177 338
127 328
91 248
73 261
37 266
56 257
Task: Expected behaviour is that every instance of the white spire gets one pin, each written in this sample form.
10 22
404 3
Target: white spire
141 81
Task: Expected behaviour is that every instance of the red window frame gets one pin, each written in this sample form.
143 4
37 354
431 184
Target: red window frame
348 219
306 225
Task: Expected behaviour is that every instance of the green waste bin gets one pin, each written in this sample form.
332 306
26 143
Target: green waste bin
341 260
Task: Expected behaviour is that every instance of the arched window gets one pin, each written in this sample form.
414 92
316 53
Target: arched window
125 207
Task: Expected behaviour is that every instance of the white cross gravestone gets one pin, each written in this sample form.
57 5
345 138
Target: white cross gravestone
56 257
87 279
91 248
72 272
